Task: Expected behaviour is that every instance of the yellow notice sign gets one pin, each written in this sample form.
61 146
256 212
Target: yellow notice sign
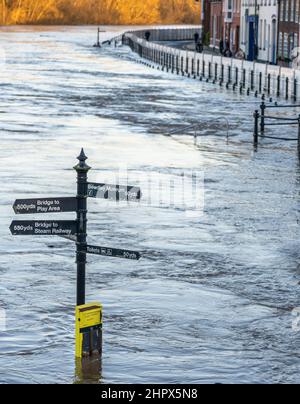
88 330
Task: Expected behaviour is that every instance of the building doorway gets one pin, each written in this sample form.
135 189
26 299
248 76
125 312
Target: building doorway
251 51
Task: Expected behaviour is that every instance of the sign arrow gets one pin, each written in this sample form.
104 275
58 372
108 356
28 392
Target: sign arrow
43 228
45 205
114 192
70 238
113 252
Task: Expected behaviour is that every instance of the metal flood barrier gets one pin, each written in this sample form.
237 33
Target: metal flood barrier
239 75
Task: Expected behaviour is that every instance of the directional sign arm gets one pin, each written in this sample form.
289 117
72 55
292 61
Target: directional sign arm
114 192
70 238
43 228
113 252
45 205
107 252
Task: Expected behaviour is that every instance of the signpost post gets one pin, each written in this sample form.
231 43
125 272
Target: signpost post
89 333
82 170
98 44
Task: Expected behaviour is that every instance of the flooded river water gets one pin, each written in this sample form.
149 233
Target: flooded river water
212 299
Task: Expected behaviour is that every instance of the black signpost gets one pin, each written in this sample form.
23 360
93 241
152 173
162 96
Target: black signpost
75 230
88 316
98 44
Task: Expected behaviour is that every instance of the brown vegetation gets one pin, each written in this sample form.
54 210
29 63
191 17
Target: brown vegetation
98 11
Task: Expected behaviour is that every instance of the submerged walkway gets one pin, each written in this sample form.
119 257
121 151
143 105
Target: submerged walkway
243 76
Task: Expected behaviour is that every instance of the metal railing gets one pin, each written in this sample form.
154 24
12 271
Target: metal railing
261 121
195 130
243 76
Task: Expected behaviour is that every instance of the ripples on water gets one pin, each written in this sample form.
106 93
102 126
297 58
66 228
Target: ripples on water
211 301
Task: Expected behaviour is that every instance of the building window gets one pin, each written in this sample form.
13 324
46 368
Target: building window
280 46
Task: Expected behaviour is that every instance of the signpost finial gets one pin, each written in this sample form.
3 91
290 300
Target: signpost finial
82 166
82 156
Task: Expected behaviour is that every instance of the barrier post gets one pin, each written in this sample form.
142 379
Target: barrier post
260 83
269 84
252 80
262 116
278 86
255 134
244 78
229 74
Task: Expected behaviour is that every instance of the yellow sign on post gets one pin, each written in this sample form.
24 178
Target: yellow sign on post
88 330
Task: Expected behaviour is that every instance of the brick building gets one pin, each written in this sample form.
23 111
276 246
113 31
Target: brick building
225 23
232 21
206 12
216 23
288 30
